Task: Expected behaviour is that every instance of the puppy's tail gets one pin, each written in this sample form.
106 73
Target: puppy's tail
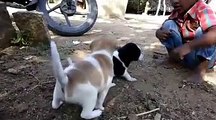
59 73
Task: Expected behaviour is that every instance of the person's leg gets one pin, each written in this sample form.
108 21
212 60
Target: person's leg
191 60
206 53
202 59
175 38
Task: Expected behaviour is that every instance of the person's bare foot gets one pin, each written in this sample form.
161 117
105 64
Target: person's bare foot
196 79
173 57
173 62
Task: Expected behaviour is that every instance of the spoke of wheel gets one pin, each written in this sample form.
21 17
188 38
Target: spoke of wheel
54 8
67 20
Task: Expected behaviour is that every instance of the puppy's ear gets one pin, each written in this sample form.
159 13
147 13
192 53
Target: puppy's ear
96 42
91 46
113 44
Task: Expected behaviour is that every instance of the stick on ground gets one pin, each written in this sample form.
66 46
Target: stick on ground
140 114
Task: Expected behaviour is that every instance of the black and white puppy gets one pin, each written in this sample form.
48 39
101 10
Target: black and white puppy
123 57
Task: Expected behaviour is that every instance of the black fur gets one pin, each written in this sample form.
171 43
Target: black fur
118 67
128 53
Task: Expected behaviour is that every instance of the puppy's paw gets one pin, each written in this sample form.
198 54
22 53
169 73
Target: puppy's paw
110 85
132 79
100 108
96 113
56 104
91 114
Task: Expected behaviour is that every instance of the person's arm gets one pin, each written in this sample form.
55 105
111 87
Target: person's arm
207 20
208 39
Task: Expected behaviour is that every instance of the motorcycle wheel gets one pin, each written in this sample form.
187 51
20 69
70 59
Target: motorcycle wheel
68 28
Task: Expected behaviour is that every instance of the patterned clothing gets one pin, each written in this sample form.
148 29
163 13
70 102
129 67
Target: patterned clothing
199 16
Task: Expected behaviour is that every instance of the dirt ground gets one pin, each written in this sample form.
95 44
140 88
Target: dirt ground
27 82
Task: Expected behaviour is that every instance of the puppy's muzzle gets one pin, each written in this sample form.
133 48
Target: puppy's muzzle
141 57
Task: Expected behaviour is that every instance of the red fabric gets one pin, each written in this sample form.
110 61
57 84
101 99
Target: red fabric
199 15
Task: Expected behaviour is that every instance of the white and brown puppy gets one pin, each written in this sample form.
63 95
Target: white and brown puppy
85 82
123 57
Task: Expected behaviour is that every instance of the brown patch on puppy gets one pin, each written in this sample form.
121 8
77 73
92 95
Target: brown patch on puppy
106 65
107 44
79 55
84 71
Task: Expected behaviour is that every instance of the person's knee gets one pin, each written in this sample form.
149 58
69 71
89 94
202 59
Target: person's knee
172 27
169 24
207 53
174 39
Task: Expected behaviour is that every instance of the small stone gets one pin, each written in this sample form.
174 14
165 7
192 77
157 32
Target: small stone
76 42
157 116
87 42
28 57
184 81
13 71
21 67
2 54
193 113
22 107
16 70
1 62
182 86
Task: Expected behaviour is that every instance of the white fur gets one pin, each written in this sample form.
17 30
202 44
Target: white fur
116 54
141 57
86 95
126 75
141 54
94 62
68 68
70 61
104 52
59 74
58 96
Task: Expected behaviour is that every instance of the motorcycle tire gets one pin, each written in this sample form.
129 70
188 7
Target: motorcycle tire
65 30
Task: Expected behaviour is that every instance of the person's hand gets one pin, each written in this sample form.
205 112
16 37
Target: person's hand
163 34
179 52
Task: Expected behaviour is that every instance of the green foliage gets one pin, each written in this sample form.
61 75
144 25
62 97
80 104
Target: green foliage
43 45
136 6
22 39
